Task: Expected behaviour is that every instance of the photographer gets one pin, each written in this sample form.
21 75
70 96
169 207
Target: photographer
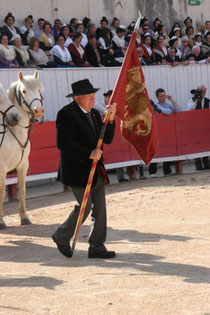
165 105
199 101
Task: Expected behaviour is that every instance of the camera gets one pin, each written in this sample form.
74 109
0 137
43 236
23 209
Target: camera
197 94
158 110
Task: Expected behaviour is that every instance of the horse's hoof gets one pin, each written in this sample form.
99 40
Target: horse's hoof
2 226
25 222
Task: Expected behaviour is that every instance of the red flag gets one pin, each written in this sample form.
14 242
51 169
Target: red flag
133 105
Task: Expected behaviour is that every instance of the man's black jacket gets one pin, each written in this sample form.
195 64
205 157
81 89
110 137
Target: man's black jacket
75 140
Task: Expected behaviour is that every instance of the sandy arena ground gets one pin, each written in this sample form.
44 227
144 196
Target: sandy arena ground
160 231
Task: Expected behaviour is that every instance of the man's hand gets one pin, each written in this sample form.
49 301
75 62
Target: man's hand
95 154
169 97
111 108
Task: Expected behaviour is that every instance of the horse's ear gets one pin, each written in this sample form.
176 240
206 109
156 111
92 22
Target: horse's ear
36 74
20 76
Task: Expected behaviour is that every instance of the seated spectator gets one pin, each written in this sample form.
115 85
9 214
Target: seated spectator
72 24
175 43
80 28
148 31
198 40
198 54
9 29
7 54
46 40
171 57
140 53
130 30
92 52
156 25
106 51
190 59
77 52
207 25
160 50
56 29
190 35
202 30
103 24
26 31
178 34
147 48
165 61
38 55
167 105
184 48
205 47
61 55
65 32
162 31
175 25
118 42
85 22
21 54
115 25
91 30
187 22
39 31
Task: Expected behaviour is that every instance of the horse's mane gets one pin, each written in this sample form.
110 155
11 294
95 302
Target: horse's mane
29 82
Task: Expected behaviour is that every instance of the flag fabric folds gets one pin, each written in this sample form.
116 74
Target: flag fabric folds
138 124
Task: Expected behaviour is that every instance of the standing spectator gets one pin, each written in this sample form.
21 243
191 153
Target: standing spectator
92 53
91 30
78 52
201 30
61 55
162 31
80 29
172 29
56 28
115 25
187 22
184 48
190 35
26 31
156 24
72 24
160 50
147 31
118 42
46 40
21 54
147 48
39 31
9 29
205 48
196 103
178 35
38 55
167 105
65 32
7 54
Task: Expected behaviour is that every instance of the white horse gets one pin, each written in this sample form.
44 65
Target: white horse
25 94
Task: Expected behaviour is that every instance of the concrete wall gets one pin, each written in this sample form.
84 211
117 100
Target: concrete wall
126 10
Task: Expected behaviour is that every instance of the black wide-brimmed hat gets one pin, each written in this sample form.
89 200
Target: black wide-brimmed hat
108 93
82 87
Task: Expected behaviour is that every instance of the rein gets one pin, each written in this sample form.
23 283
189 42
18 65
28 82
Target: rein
3 124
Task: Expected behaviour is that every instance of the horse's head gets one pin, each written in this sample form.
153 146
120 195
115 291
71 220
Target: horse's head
7 110
27 93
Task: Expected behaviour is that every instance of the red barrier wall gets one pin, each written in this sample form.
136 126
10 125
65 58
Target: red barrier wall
179 134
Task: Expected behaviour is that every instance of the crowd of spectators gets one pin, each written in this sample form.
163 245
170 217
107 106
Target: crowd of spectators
82 44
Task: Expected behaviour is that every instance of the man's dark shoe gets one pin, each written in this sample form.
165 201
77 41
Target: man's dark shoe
123 180
105 254
63 249
199 168
207 167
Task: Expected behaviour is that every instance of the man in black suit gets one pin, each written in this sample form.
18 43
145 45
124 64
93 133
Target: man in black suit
196 103
78 128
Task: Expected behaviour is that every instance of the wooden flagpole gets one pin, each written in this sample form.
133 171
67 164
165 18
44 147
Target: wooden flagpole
93 167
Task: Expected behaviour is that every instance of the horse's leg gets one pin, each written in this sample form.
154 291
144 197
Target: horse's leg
2 195
21 174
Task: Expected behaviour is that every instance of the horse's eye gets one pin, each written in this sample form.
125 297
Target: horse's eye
24 91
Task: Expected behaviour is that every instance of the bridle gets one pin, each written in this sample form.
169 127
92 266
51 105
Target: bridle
21 100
